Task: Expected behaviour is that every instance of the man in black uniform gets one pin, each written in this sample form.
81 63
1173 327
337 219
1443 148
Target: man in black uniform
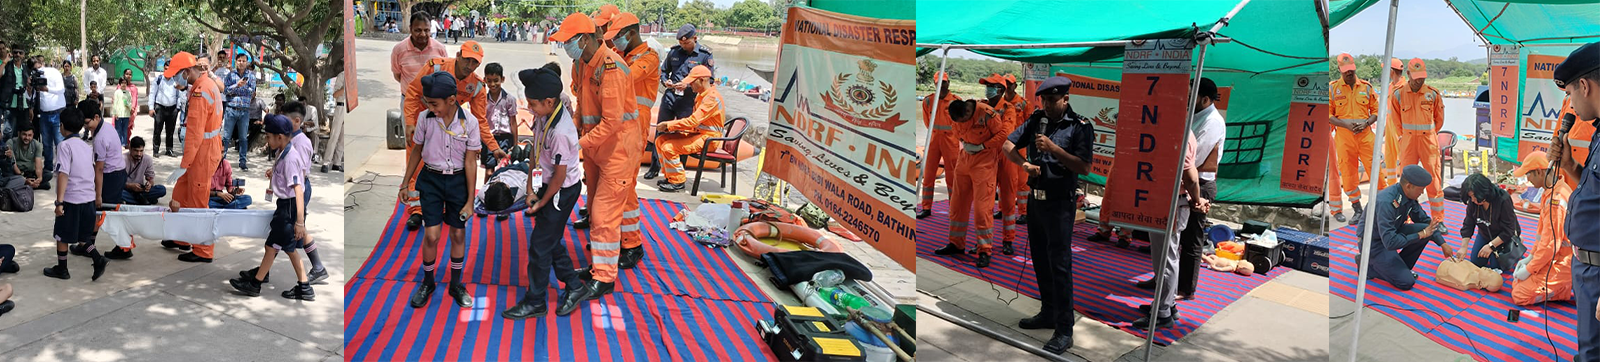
1059 147
1579 77
677 98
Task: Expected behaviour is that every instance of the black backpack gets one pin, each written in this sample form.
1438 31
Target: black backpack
15 195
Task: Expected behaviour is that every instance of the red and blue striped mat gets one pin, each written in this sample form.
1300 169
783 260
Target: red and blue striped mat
1103 274
684 302
1469 322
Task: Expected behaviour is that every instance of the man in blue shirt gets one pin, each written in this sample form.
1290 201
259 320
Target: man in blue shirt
1403 230
240 88
677 98
1579 76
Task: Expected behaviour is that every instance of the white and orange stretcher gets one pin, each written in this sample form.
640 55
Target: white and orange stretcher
196 226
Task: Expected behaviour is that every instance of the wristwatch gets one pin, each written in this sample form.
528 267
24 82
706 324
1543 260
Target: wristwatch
59 203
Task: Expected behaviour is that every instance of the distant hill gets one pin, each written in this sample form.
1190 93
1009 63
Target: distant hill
1484 61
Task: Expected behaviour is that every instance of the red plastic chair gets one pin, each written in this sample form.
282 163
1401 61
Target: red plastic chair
1447 158
726 157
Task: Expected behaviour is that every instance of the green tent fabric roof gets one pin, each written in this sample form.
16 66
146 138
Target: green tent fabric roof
881 9
1262 42
1531 21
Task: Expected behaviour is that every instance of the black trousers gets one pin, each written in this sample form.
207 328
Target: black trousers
1050 224
166 123
545 247
1192 242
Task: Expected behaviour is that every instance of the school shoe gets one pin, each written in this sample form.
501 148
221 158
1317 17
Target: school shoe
524 310
421 296
79 249
1005 248
1058 343
924 213
949 249
630 257
1038 321
251 274
99 267
413 222
458 293
671 187
587 291
585 274
983 260
192 258
315 276
119 254
301 291
6 306
501 217
583 220
58 272
248 286
169 244
1144 322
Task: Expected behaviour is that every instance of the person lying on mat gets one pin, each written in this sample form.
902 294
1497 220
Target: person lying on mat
556 154
1489 210
1546 274
504 193
1403 230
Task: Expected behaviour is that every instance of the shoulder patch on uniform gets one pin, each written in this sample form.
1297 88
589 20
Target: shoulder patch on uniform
610 65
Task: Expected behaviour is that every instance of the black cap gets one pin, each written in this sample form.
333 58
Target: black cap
1582 61
685 31
1055 85
540 83
440 84
1208 89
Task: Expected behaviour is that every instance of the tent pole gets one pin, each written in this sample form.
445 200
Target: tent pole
944 56
1022 345
1224 22
1377 153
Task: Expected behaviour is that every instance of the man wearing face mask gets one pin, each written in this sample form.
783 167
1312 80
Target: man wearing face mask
678 101
644 66
610 141
1007 115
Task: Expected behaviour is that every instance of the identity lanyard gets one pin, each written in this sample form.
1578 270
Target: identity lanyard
543 140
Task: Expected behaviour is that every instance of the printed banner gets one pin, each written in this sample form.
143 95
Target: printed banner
839 128
1305 143
1503 87
1155 94
1541 101
1097 100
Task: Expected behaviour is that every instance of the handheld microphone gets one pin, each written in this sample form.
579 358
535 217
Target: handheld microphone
1566 126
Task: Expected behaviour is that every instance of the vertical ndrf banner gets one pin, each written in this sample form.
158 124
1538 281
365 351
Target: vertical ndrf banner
1503 87
1305 141
1541 100
840 132
350 97
1151 127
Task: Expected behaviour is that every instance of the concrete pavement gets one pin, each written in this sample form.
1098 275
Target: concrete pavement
154 307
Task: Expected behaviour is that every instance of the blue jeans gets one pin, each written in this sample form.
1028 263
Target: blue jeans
236 132
1395 266
240 202
1478 241
124 127
144 198
50 136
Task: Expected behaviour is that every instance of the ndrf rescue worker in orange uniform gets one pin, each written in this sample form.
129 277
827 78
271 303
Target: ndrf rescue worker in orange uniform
1007 114
942 147
1391 130
202 147
600 19
1335 191
644 65
688 136
981 133
1020 177
611 141
1354 111
470 91
1421 111
1577 137
1546 273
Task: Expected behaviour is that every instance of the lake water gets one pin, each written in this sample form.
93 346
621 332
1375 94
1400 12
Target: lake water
731 60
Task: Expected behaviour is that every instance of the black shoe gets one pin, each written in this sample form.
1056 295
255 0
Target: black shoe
1039 321
251 274
168 153
1145 309
458 293
421 296
324 168
9 266
190 257
315 276
671 187
58 272
6 306
1144 249
1146 284
1023 220
924 213
1144 322
630 257
1339 217
662 182
1005 248
1098 238
983 261
998 216
1058 343
950 249
413 222
585 274
301 292
581 293
247 286
99 267
119 254
501 217
79 249
524 310
169 244
1358 215
652 173
338 168
582 223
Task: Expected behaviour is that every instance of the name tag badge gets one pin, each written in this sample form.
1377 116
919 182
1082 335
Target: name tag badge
1038 195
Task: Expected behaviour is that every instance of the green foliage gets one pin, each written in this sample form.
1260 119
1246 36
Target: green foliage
754 14
697 12
965 70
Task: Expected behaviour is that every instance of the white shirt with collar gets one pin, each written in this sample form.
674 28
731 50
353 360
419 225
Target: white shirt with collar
97 75
166 94
1211 132
53 98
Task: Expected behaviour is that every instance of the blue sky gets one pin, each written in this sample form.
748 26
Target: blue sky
1424 29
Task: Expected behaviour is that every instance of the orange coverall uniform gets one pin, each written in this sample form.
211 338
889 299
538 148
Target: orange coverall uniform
611 142
942 147
1335 192
974 184
1577 137
644 65
472 92
1391 141
202 152
1019 177
1355 102
690 134
1421 117
1012 179
1552 246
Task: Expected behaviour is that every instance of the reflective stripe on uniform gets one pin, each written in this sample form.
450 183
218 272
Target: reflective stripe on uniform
958 224
1578 143
604 260
629 116
213 134
628 228
646 101
710 128
938 127
207 97
590 119
605 246
1416 127
631 214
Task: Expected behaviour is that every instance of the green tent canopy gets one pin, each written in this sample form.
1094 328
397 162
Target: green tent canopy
1261 63
1532 21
